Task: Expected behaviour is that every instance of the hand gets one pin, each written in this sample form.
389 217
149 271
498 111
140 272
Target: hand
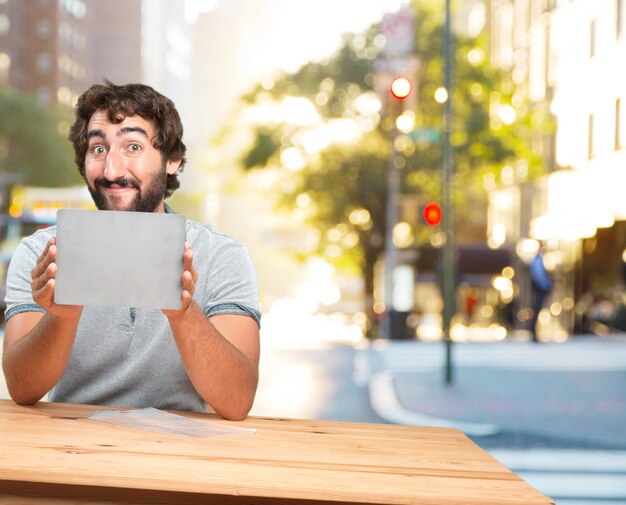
43 277
189 278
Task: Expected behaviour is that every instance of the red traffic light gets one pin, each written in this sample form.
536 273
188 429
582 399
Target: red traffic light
432 214
401 87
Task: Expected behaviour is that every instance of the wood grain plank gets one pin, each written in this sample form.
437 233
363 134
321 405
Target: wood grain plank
54 448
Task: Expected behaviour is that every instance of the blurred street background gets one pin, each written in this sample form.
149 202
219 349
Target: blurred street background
394 168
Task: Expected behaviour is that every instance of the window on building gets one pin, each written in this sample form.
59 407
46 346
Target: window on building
5 66
619 16
590 142
5 24
80 10
592 39
43 63
44 29
76 8
618 124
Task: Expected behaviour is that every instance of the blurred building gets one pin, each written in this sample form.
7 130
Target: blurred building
166 51
145 41
229 58
54 49
115 41
566 59
43 48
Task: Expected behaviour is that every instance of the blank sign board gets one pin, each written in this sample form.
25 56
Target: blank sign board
119 259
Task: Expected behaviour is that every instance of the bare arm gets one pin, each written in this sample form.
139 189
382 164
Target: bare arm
37 346
220 354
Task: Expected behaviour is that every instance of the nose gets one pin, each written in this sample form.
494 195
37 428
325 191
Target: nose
114 166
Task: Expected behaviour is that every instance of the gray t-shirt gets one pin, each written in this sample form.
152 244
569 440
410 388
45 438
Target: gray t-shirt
127 357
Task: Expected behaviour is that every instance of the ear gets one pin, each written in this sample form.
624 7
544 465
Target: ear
172 166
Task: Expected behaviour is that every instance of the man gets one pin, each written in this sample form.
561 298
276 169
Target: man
542 285
129 150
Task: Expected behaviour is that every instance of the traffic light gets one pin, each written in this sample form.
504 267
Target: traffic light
432 214
401 87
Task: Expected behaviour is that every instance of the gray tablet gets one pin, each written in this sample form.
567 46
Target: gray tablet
119 259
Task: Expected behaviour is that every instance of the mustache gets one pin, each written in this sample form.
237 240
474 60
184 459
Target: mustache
122 182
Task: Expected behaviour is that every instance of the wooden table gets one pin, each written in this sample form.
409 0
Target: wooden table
52 453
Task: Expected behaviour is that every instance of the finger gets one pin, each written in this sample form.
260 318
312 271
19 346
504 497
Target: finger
49 273
188 257
188 262
51 242
193 274
47 257
184 305
188 282
187 279
185 298
44 295
47 260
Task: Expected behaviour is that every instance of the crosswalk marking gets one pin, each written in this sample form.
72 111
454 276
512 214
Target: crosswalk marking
576 486
566 460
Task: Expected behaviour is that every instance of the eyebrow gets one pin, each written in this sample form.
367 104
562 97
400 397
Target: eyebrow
122 131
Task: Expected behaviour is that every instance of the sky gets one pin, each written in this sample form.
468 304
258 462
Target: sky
312 28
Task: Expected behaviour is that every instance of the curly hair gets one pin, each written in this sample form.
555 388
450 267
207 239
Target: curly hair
129 100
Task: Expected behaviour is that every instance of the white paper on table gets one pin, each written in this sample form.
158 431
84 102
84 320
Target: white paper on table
166 422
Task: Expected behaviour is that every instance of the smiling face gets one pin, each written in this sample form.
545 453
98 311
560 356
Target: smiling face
123 169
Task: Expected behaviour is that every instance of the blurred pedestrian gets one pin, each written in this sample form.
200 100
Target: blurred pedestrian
470 301
129 150
623 267
542 285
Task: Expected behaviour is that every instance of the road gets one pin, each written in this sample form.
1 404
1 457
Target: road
553 413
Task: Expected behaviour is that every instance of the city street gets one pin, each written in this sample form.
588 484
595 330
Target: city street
553 413
398 168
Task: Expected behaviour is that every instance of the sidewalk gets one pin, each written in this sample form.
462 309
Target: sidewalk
516 395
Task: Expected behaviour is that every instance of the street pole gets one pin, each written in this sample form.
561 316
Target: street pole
397 58
392 217
448 269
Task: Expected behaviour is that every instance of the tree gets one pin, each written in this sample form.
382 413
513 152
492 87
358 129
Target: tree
343 183
31 142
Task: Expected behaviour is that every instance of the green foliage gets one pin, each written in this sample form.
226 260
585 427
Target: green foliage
345 177
31 143
265 147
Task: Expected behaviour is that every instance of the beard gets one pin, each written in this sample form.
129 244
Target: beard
146 199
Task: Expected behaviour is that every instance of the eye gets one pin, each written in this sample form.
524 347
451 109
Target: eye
134 148
98 150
